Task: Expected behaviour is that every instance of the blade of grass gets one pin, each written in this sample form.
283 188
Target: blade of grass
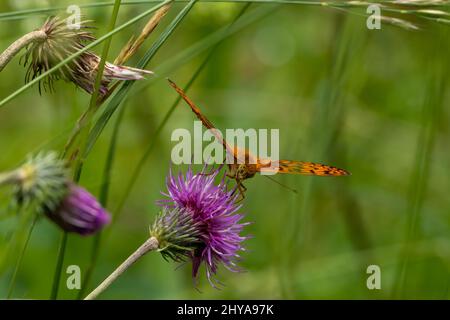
25 12
58 268
84 125
199 47
324 139
357 231
84 135
432 105
78 53
340 5
103 198
24 216
136 41
124 90
12 283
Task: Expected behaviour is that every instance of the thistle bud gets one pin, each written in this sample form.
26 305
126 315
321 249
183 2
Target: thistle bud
43 181
79 212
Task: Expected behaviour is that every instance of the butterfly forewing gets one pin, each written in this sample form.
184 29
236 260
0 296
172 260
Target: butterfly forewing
208 124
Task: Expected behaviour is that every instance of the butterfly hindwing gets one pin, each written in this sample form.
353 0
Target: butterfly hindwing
307 168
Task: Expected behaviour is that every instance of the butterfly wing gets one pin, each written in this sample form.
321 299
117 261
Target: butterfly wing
304 168
208 124
284 166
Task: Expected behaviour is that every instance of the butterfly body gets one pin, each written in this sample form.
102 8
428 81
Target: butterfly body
242 164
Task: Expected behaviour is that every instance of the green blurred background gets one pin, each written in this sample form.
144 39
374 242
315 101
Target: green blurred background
375 102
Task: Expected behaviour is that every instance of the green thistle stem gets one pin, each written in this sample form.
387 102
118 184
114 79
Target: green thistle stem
19 44
150 245
59 264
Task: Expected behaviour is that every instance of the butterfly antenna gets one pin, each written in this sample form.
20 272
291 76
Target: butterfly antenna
282 185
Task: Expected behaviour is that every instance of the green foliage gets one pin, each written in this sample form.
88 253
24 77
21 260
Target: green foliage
374 102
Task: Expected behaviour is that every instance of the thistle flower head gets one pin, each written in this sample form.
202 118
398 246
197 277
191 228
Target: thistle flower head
63 41
213 209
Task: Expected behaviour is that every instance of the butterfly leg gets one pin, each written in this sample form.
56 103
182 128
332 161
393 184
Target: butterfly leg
212 172
205 173
241 188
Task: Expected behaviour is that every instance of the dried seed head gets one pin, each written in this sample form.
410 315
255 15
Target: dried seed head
61 42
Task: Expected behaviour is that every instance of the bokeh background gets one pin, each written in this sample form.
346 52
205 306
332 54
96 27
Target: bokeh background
375 102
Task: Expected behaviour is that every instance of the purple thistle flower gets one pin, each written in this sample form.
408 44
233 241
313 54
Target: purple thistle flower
213 208
79 212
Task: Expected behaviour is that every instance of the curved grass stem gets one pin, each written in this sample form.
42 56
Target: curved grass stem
149 245
19 44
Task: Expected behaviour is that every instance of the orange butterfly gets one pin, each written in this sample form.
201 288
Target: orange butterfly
251 164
